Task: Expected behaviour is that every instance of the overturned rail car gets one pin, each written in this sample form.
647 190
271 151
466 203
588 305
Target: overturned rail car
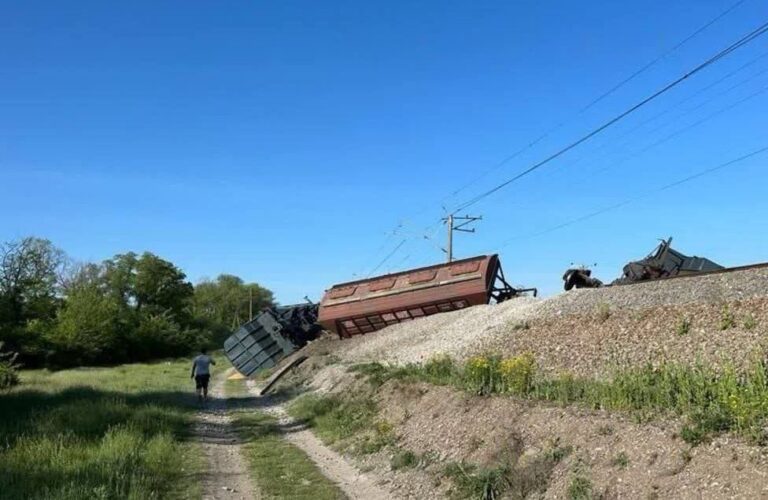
272 335
663 262
364 306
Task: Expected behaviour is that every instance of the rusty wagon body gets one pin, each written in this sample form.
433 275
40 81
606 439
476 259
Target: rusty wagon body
363 306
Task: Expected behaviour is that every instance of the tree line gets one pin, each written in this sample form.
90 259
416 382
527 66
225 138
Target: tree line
132 307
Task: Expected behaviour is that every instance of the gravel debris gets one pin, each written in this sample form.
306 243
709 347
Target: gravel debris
450 333
709 289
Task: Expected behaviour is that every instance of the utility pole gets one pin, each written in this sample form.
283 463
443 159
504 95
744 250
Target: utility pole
450 221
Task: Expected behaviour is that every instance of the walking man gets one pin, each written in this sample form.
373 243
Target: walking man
201 372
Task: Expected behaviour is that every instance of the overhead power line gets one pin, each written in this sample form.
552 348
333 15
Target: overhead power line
675 133
744 40
620 204
664 55
389 255
547 133
605 146
598 99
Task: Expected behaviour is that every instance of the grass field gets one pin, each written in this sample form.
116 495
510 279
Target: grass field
98 433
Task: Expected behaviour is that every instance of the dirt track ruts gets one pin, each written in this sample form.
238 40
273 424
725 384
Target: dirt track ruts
226 476
355 484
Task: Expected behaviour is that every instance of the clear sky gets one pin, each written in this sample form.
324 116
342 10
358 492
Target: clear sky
284 141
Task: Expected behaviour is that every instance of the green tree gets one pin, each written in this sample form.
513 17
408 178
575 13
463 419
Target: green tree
30 275
161 286
8 369
119 276
156 301
160 335
88 330
226 302
131 306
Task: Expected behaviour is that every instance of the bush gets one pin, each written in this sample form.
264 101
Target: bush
727 318
684 326
750 322
158 335
603 312
489 374
88 329
9 375
481 374
517 373
440 367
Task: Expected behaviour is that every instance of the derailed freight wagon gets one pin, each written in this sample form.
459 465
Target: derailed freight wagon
364 306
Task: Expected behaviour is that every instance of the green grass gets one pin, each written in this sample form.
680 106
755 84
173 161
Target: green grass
750 323
603 312
99 433
621 460
711 401
580 487
406 459
403 459
513 478
482 483
727 318
349 424
684 326
280 469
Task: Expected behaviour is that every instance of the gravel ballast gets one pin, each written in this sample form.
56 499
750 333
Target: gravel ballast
591 331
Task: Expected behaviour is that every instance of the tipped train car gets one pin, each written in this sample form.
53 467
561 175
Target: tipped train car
364 306
663 262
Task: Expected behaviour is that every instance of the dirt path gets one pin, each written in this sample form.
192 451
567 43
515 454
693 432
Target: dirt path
355 484
226 477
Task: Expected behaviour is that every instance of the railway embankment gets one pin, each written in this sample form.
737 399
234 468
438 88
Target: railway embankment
655 390
715 319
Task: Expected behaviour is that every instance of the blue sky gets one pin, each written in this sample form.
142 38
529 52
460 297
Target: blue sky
285 141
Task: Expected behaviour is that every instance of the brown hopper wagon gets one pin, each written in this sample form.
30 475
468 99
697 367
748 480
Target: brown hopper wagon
363 306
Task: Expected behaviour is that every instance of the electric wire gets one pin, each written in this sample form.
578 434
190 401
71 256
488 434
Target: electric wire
664 55
620 204
581 111
744 40
597 100
624 159
655 117
677 132
385 259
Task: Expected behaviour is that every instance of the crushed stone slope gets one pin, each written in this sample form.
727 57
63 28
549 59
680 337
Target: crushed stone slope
590 331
